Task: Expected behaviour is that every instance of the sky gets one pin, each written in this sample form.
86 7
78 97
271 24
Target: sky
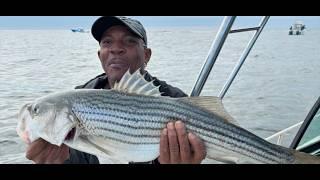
67 22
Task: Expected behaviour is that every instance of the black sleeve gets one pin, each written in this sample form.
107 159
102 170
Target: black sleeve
78 157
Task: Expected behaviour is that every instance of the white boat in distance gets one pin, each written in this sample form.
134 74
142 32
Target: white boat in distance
297 28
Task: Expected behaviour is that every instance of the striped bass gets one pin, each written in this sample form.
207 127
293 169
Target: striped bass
124 124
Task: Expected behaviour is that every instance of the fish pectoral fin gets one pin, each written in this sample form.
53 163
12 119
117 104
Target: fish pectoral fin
103 160
92 141
225 159
213 104
105 156
136 84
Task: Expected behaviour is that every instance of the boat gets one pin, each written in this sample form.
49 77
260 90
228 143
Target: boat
80 30
297 28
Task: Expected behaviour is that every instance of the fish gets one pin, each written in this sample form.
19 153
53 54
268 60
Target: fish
124 124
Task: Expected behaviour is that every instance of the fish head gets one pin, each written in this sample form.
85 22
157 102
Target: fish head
49 119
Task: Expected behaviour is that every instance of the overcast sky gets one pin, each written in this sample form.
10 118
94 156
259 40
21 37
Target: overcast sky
66 22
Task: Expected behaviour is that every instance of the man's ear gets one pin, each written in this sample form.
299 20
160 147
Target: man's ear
147 54
99 54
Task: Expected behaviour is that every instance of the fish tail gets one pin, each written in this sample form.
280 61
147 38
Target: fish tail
304 158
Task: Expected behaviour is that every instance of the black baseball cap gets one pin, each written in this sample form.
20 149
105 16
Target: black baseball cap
105 22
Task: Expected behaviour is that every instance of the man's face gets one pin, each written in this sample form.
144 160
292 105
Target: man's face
120 50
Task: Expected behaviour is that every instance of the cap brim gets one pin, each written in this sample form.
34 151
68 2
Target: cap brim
105 22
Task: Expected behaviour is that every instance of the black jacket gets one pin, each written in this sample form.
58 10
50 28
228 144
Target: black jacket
99 82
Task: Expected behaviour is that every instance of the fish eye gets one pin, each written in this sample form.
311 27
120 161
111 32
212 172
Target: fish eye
36 109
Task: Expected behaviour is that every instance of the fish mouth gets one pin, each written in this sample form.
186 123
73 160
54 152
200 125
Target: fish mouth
71 134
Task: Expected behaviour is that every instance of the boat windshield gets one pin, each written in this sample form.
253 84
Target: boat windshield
311 137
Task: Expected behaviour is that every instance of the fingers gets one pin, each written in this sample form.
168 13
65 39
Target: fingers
179 146
198 147
58 154
185 152
164 147
41 152
173 144
35 149
53 154
65 152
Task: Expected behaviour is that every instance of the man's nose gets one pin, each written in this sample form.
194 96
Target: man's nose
118 48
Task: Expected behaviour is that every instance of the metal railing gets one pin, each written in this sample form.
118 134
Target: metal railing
279 135
221 36
213 54
224 30
243 56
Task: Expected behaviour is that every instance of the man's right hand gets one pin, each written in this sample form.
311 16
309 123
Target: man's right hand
177 146
42 152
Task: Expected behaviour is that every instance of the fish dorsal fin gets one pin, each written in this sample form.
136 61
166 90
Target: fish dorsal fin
213 104
136 84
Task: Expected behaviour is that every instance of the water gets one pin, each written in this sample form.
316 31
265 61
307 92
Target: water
275 88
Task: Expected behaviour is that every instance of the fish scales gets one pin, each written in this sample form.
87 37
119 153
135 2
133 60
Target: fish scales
122 120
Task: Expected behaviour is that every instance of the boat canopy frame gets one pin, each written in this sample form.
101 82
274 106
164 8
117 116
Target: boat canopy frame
216 46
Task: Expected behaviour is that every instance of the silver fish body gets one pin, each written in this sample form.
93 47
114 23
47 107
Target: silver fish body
129 126
135 120
126 127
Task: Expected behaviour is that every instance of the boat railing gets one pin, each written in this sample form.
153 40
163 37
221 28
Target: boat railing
216 46
221 36
280 135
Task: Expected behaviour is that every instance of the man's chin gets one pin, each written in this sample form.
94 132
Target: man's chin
116 73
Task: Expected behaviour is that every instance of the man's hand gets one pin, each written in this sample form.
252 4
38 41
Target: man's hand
42 152
177 146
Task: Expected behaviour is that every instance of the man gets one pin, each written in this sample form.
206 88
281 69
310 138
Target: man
123 46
